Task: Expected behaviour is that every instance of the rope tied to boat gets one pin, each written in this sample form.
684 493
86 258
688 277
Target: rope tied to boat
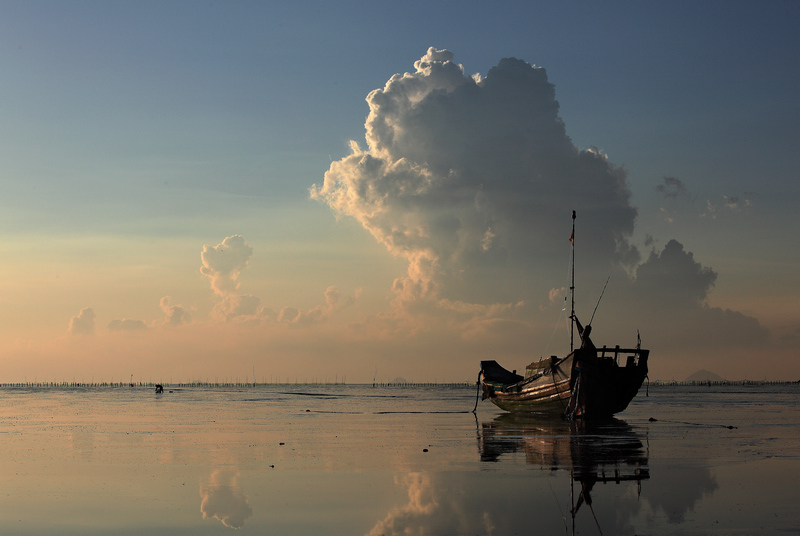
478 393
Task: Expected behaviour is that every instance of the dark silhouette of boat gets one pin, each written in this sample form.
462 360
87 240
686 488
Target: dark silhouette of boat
590 382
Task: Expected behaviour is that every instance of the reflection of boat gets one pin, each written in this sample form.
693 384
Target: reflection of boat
588 383
608 451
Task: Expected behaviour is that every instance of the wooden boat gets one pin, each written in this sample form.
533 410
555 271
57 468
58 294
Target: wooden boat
589 382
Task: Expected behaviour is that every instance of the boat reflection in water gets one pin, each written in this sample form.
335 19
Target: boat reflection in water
593 452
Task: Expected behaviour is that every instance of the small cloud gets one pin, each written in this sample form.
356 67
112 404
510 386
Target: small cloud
486 241
333 304
127 324
557 295
673 275
83 324
174 315
223 263
673 288
732 202
729 203
711 210
673 191
672 188
236 306
289 315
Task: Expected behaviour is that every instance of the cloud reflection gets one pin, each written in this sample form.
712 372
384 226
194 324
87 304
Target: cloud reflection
694 483
224 500
408 519
429 512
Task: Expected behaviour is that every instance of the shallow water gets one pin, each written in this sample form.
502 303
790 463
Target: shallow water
357 460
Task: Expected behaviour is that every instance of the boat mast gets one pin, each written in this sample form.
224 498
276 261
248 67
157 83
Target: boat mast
572 288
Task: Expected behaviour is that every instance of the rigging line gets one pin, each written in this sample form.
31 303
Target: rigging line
555 329
569 290
594 516
572 499
560 510
563 310
598 300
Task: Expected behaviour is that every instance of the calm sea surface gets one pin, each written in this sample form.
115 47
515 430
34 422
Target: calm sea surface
358 460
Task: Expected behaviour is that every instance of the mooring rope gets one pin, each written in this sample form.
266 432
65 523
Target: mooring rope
728 426
478 392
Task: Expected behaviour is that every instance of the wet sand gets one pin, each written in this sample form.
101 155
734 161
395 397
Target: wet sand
360 460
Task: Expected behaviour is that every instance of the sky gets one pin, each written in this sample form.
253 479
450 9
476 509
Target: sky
320 192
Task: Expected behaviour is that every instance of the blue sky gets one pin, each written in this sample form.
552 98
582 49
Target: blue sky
136 133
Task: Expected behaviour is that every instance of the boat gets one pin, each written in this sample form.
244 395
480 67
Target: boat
589 383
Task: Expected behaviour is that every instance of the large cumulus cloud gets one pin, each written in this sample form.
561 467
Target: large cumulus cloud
473 179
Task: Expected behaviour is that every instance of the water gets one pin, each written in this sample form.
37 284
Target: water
358 460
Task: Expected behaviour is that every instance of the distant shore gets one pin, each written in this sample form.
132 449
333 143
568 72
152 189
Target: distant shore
244 385
712 383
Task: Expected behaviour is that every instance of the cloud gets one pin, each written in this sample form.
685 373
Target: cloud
223 263
695 484
439 505
333 304
473 180
672 188
222 499
730 204
83 324
672 289
558 295
238 307
126 324
412 517
174 315
674 277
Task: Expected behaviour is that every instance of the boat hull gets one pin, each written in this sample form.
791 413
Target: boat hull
582 385
549 393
